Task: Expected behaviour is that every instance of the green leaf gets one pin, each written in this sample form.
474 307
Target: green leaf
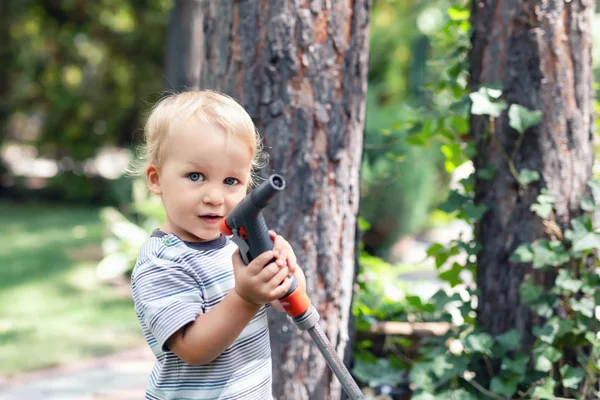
520 118
529 292
484 102
527 176
379 373
548 332
458 14
588 204
548 253
510 340
363 224
440 365
544 356
565 326
571 376
452 275
479 343
504 387
523 254
543 207
545 391
594 185
566 282
543 210
589 241
454 202
420 375
585 306
517 366
475 212
454 155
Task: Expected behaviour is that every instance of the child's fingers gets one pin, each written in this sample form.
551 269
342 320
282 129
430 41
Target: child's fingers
258 264
268 272
282 288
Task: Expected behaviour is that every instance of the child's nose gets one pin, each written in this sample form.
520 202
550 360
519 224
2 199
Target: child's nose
213 196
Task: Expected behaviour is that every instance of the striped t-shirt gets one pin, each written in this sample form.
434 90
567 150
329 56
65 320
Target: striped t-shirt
173 282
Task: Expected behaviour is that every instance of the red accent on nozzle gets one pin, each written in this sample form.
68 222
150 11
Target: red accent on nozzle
296 303
225 230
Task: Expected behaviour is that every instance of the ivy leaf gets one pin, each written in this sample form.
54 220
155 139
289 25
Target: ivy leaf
379 373
548 332
520 118
567 283
454 202
545 306
527 176
545 391
585 306
452 275
544 356
565 326
523 254
530 293
543 207
510 340
441 254
594 185
475 212
485 102
516 366
504 387
420 375
589 241
548 253
572 376
543 210
479 343
588 204
440 365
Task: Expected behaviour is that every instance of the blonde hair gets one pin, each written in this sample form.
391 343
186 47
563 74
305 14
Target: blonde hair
208 106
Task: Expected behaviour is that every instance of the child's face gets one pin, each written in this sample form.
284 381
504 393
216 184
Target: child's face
204 175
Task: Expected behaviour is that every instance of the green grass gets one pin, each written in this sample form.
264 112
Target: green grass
52 308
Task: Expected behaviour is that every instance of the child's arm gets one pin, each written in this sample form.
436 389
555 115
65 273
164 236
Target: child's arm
204 339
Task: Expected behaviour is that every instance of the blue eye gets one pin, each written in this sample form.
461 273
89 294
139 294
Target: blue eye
196 176
231 181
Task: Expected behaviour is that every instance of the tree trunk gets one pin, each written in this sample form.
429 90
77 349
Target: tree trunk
541 53
300 69
5 95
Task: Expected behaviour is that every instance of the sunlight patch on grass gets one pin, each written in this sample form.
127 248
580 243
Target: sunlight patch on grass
53 309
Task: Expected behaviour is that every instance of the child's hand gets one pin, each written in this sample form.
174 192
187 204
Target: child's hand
283 252
261 281
285 255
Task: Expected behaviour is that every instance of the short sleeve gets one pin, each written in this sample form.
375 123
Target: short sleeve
166 298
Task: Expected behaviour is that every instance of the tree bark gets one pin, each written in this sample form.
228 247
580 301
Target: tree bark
300 69
5 54
541 53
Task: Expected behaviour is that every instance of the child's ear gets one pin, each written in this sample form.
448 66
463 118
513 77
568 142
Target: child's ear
153 180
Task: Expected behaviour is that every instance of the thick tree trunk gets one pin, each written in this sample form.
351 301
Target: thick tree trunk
300 69
541 53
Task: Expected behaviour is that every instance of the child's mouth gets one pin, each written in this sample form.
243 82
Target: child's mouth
211 219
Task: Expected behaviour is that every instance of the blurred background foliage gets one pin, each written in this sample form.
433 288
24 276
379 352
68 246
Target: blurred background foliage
81 75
